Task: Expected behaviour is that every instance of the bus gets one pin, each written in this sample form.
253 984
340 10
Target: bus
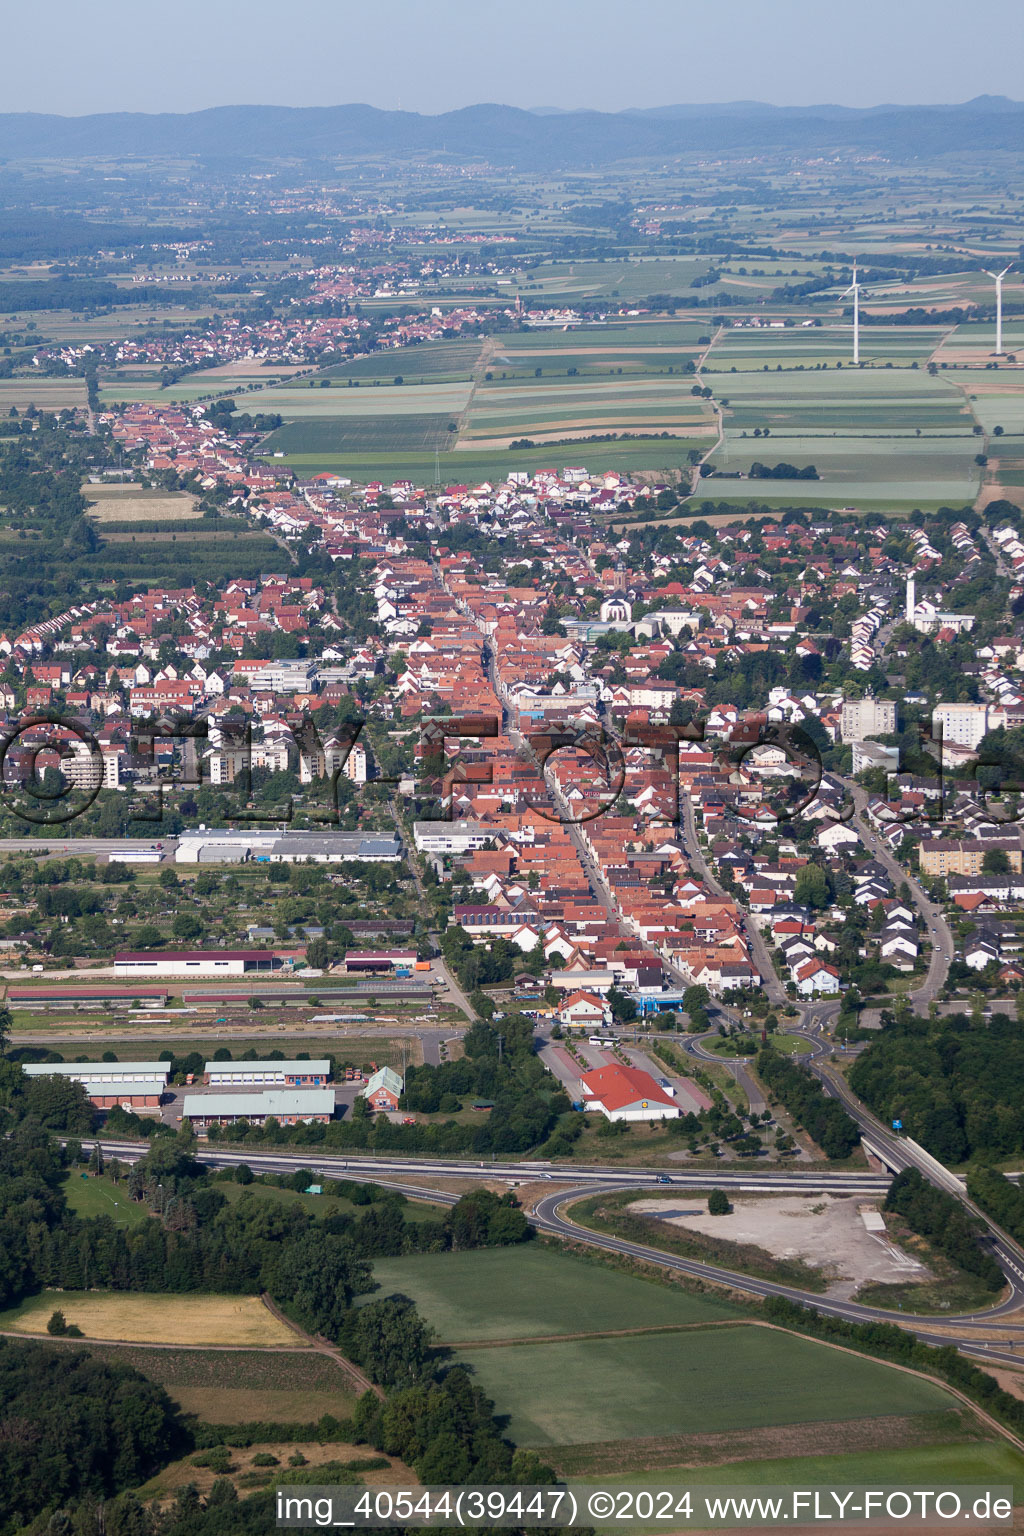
602 1040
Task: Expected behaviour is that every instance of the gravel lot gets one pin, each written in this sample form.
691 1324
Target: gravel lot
825 1231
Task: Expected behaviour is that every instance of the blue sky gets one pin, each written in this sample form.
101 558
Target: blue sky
432 55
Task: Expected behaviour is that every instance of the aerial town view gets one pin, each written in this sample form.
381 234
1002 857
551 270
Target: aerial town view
512 768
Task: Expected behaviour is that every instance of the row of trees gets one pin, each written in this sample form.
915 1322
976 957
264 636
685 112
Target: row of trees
822 1118
943 1221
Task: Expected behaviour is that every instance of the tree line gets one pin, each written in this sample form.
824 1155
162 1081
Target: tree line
941 1218
824 1119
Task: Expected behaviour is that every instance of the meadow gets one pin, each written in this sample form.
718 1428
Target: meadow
158 1319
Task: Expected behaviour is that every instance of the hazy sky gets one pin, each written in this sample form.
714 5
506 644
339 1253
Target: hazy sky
432 55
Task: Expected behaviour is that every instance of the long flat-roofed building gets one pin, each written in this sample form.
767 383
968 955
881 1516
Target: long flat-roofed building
288 1106
194 962
270 1074
231 845
132 1084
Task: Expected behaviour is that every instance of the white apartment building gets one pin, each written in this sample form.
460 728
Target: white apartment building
867 717
962 725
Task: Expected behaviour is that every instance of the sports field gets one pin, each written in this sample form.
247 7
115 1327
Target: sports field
100 1196
154 1319
532 1291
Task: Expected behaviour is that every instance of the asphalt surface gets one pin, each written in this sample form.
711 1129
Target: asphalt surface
550 1217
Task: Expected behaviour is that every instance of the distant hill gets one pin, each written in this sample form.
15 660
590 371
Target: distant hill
511 136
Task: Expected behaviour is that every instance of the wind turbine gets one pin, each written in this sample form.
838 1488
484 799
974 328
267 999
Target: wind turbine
997 278
854 288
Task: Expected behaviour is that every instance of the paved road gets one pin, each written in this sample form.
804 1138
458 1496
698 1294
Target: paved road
693 1046
81 845
439 969
932 916
770 983
550 1217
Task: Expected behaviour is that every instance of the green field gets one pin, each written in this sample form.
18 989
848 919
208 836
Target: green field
430 360
297 401
877 436
100 1196
981 1463
556 281
462 467
532 1291
705 1381
360 434
323 1205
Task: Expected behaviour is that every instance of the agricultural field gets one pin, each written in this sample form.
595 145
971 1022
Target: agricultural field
128 503
926 1451
344 433
155 1319
298 401
245 1386
538 408
430 361
696 1382
877 436
657 456
533 1291
555 281
45 394
751 348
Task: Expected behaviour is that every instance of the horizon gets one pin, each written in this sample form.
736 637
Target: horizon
741 106
114 59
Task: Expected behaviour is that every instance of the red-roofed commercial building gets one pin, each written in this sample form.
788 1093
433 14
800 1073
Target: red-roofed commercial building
626 1093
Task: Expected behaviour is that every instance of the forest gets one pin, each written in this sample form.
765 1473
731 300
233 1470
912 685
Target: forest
943 1221
956 1083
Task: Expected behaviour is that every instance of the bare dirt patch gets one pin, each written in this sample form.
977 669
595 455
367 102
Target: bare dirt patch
888 1431
827 1232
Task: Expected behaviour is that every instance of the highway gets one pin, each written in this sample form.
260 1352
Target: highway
550 1216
